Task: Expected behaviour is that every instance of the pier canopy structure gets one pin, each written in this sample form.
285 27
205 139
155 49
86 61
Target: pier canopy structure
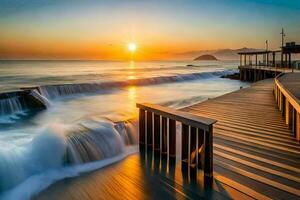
288 50
259 58
258 65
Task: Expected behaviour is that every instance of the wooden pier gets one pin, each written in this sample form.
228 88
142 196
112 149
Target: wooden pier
255 156
257 65
258 73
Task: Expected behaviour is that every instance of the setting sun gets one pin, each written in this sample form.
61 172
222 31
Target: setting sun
132 47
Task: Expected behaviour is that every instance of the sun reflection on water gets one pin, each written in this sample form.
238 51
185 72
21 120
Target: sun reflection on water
131 72
132 98
132 93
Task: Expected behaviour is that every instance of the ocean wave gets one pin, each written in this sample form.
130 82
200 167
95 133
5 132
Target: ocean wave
39 98
55 91
60 151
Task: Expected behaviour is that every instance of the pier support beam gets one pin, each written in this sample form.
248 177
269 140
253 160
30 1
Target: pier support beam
241 74
250 75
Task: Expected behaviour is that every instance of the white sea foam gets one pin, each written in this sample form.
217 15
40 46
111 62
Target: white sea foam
36 183
60 151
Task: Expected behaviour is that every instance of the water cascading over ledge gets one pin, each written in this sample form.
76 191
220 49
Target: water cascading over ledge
97 139
59 146
20 101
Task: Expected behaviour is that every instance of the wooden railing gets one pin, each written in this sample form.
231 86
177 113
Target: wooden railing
289 105
157 132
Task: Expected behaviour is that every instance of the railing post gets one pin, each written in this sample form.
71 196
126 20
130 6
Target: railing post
149 130
291 116
142 137
184 144
164 143
200 148
294 118
193 147
189 146
172 138
283 105
208 151
280 101
287 111
156 132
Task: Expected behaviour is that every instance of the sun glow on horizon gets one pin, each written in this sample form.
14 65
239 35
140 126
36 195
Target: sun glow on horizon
132 47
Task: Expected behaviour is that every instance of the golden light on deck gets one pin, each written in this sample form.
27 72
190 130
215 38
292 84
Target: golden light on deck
132 47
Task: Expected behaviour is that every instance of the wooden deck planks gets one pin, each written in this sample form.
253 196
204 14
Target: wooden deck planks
252 142
255 156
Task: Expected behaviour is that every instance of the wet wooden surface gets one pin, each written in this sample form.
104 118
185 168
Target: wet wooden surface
255 157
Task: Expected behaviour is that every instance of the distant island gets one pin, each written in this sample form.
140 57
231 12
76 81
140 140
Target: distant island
220 54
206 57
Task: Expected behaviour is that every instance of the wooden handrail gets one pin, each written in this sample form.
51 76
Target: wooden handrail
157 132
289 105
184 117
291 98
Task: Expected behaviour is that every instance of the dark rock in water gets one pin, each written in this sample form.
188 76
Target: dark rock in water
206 57
14 102
33 102
235 76
190 65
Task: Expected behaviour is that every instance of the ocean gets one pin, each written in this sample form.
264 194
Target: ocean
61 118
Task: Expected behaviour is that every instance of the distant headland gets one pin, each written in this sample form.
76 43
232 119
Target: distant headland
206 57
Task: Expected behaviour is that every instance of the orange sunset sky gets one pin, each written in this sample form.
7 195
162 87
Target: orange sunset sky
161 29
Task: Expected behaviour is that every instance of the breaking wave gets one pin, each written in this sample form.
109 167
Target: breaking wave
65 151
54 91
39 98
